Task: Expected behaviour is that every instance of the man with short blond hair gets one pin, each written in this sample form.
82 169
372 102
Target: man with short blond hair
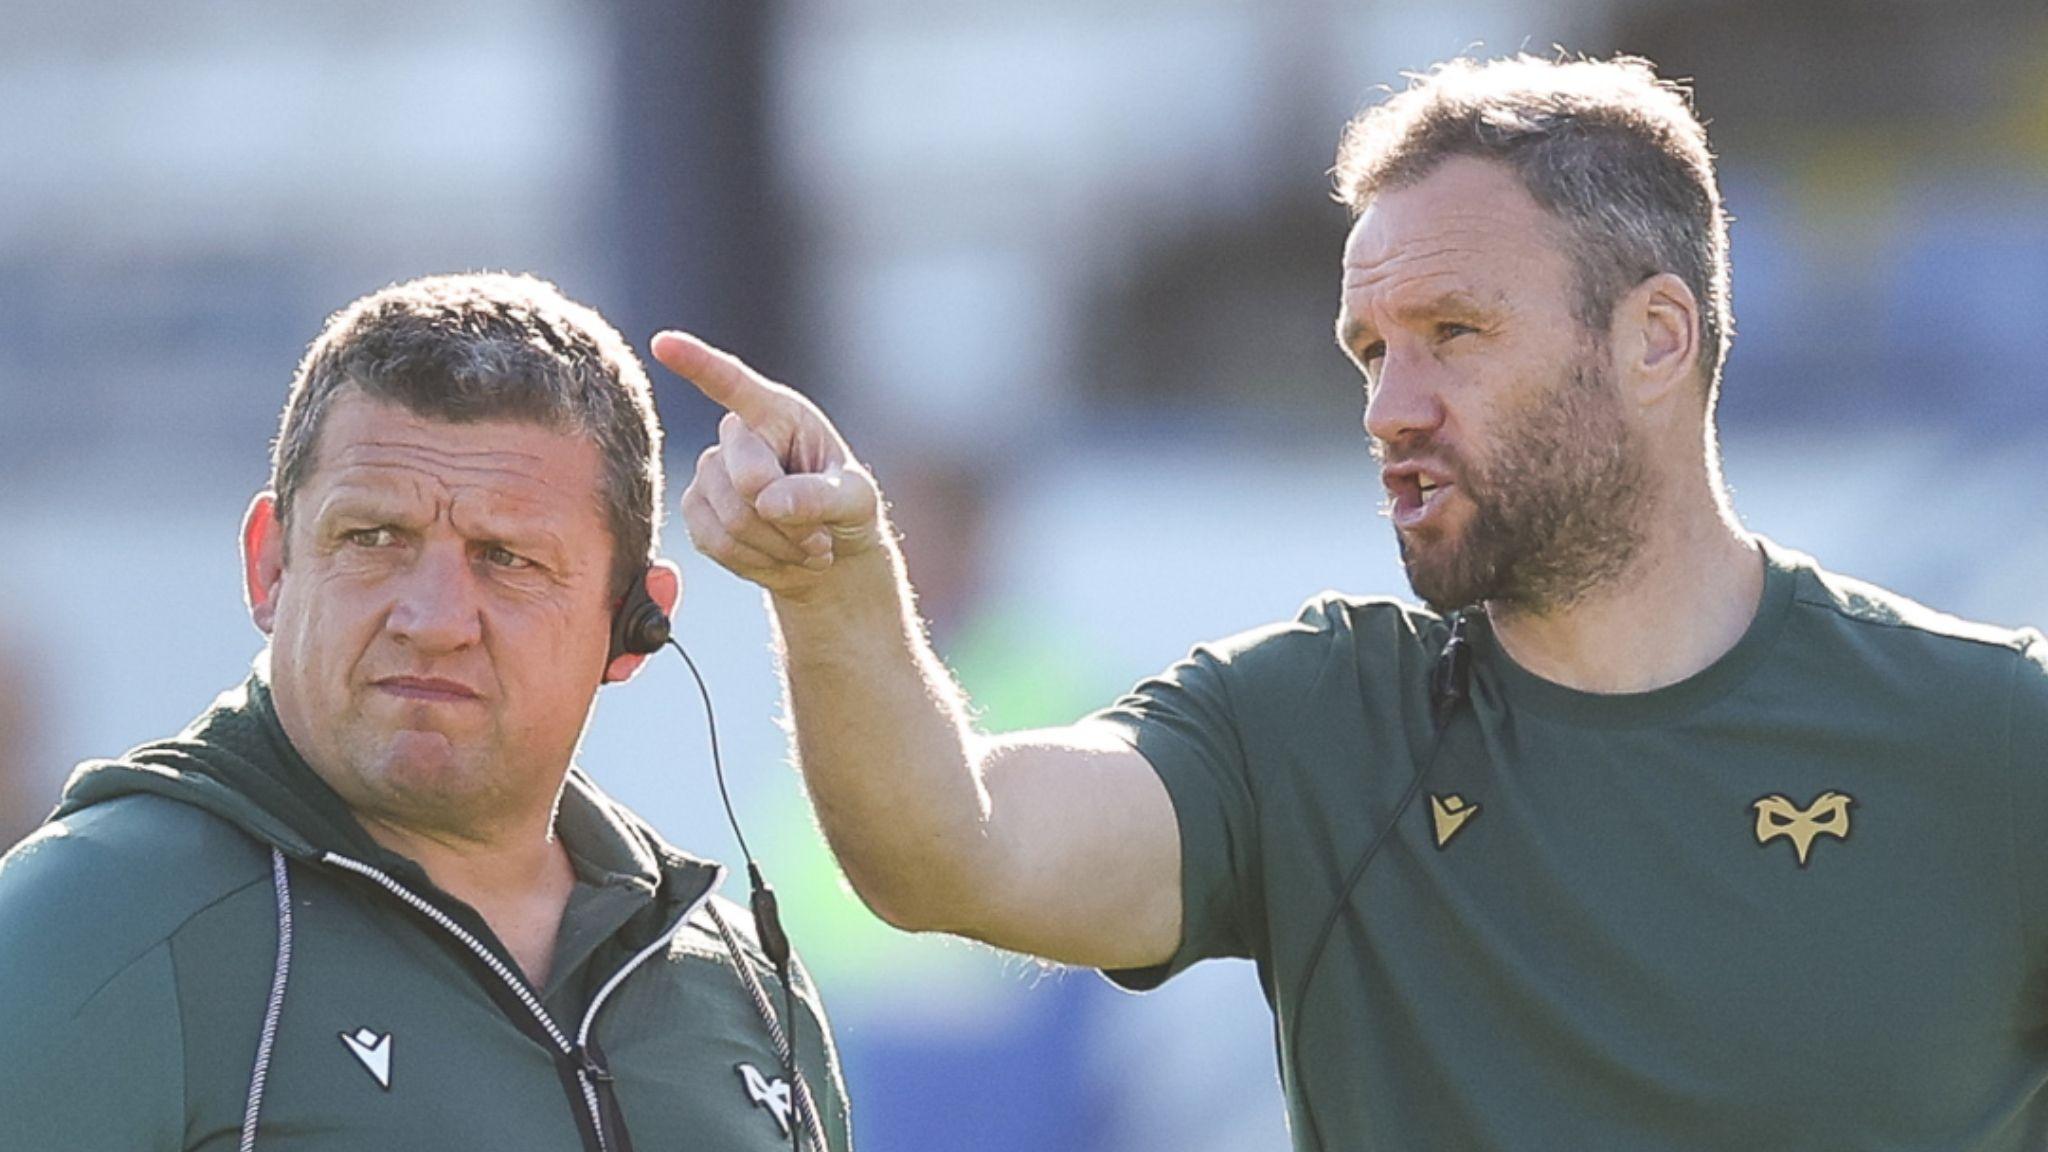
1647 833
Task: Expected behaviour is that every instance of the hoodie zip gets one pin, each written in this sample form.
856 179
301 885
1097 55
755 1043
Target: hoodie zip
591 1076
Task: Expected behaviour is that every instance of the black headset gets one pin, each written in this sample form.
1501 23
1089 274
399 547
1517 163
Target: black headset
641 628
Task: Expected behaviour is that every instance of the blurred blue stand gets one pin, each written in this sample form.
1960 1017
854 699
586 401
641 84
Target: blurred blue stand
1030 1084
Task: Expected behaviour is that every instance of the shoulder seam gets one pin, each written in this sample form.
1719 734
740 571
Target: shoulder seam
162 941
2015 640
178 1019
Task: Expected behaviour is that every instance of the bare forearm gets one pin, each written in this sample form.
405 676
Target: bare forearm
885 746
1060 842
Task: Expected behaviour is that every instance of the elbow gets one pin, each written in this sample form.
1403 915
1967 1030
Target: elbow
902 907
915 900
900 915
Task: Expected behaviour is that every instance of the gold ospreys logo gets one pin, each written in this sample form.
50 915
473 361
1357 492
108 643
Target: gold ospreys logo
1777 816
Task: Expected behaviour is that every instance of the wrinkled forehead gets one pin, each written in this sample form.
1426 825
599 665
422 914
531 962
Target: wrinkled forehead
371 449
440 471
1468 225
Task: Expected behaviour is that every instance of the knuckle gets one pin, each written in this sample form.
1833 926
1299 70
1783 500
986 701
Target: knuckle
708 531
693 503
714 541
698 529
726 504
773 545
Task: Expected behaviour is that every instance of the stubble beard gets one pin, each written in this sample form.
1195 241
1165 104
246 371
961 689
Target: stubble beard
1559 508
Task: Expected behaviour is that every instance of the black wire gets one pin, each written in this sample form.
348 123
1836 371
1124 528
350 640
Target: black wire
717 762
796 1096
768 921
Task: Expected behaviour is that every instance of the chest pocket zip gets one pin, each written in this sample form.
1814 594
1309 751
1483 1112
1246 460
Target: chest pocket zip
587 1071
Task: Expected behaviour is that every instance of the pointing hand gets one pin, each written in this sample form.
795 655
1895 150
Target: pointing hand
780 498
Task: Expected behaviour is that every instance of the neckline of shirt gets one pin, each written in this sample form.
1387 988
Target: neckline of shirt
1522 689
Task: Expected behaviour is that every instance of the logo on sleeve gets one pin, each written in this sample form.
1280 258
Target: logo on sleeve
765 1093
1777 816
1449 814
373 1051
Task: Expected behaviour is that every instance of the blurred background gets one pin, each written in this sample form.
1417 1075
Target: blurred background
1064 271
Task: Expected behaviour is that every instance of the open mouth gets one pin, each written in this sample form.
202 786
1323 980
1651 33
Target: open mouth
1414 496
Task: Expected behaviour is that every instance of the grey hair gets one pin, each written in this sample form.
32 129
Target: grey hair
1614 153
489 346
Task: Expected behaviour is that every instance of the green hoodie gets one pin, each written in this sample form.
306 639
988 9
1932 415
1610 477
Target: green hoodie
203 949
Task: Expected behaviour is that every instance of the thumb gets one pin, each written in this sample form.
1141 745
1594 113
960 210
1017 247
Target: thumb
843 499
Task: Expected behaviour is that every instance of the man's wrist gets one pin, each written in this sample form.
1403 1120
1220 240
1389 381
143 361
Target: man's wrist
855 588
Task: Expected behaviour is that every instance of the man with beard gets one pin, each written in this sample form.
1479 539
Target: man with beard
1650 834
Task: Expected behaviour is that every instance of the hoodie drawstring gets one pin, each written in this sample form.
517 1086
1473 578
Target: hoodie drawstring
280 880
803 1104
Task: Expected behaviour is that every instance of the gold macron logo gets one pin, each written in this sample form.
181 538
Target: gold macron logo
1449 814
1777 816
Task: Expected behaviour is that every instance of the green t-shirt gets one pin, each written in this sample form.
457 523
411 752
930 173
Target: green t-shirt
1793 902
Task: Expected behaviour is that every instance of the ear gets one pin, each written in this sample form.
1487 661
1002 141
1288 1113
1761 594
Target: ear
262 559
1657 338
665 586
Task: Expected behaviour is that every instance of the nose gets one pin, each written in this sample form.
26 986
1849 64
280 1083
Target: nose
1403 403
436 609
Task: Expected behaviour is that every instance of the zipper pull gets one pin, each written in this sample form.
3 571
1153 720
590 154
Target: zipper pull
590 1065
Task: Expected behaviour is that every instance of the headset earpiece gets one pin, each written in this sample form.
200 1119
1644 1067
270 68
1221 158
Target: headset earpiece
639 627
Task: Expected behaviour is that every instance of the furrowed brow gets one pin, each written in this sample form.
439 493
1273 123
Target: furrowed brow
1453 303
355 502
1353 332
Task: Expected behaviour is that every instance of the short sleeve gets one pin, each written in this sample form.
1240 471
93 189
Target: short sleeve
1185 723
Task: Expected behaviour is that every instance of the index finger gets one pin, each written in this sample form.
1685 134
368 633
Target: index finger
724 378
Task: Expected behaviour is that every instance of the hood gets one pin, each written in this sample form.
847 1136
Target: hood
236 762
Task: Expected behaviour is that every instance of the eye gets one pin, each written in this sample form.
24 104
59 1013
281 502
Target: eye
499 556
379 537
1450 328
1369 358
